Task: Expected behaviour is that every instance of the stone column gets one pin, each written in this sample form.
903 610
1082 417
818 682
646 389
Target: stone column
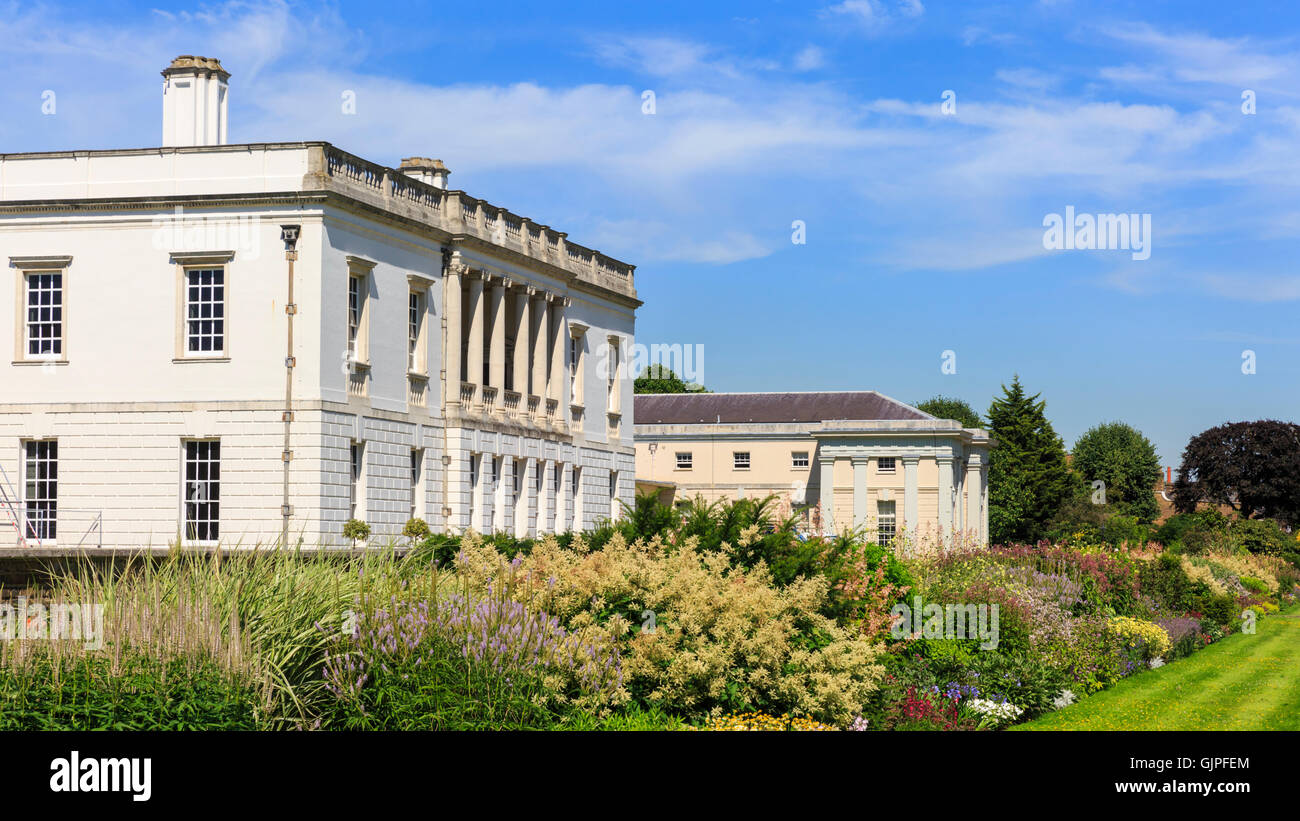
497 353
984 504
974 496
541 326
826 492
451 355
860 491
474 352
523 327
945 499
910 505
959 478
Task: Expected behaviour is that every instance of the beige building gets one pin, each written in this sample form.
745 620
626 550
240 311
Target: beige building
216 343
838 460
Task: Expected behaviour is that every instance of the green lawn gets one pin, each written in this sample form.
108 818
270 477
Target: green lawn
1244 682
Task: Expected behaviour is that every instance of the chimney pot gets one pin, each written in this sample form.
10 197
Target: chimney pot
426 170
195 101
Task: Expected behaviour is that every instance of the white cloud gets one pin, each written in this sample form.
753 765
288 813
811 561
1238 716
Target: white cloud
874 16
733 149
809 58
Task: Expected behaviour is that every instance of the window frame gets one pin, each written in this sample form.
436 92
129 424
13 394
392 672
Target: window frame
28 266
736 460
47 532
690 460
357 348
57 286
187 320
356 479
185 262
575 368
613 403
880 464
795 459
417 481
214 523
886 522
417 347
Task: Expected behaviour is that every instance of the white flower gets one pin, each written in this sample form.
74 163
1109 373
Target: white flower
1000 713
1065 699
1156 662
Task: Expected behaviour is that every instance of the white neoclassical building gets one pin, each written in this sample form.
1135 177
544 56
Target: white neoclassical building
219 343
846 459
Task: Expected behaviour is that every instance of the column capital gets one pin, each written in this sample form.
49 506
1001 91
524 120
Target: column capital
974 459
945 458
910 460
861 460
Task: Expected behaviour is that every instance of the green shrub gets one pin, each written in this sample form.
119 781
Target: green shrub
1261 536
140 693
1215 608
1165 580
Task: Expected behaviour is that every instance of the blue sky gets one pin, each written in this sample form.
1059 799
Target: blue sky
924 229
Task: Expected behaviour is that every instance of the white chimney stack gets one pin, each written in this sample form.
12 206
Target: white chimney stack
426 170
195 96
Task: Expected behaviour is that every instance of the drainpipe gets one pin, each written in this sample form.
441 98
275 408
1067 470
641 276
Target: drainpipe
450 382
288 233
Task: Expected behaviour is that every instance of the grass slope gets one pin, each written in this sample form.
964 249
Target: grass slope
1245 682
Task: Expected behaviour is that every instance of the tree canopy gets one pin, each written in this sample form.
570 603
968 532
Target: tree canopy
661 379
1125 460
1254 467
949 407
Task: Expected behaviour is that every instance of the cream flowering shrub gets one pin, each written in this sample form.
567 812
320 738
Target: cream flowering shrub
696 635
1199 572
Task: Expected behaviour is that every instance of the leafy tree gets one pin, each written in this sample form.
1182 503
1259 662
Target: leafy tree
1254 467
417 530
661 379
1125 460
949 407
1029 478
356 530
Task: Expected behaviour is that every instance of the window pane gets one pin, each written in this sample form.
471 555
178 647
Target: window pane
205 299
44 314
202 490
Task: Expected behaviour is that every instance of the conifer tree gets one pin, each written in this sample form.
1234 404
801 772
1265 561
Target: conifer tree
1029 478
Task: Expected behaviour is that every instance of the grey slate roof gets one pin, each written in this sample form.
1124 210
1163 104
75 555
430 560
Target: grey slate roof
739 408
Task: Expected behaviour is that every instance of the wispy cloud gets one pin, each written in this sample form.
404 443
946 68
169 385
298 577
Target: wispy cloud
736 149
875 16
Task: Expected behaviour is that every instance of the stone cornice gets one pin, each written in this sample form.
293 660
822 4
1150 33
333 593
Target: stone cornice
448 217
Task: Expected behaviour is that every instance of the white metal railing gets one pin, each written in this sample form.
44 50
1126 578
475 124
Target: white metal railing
67 527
